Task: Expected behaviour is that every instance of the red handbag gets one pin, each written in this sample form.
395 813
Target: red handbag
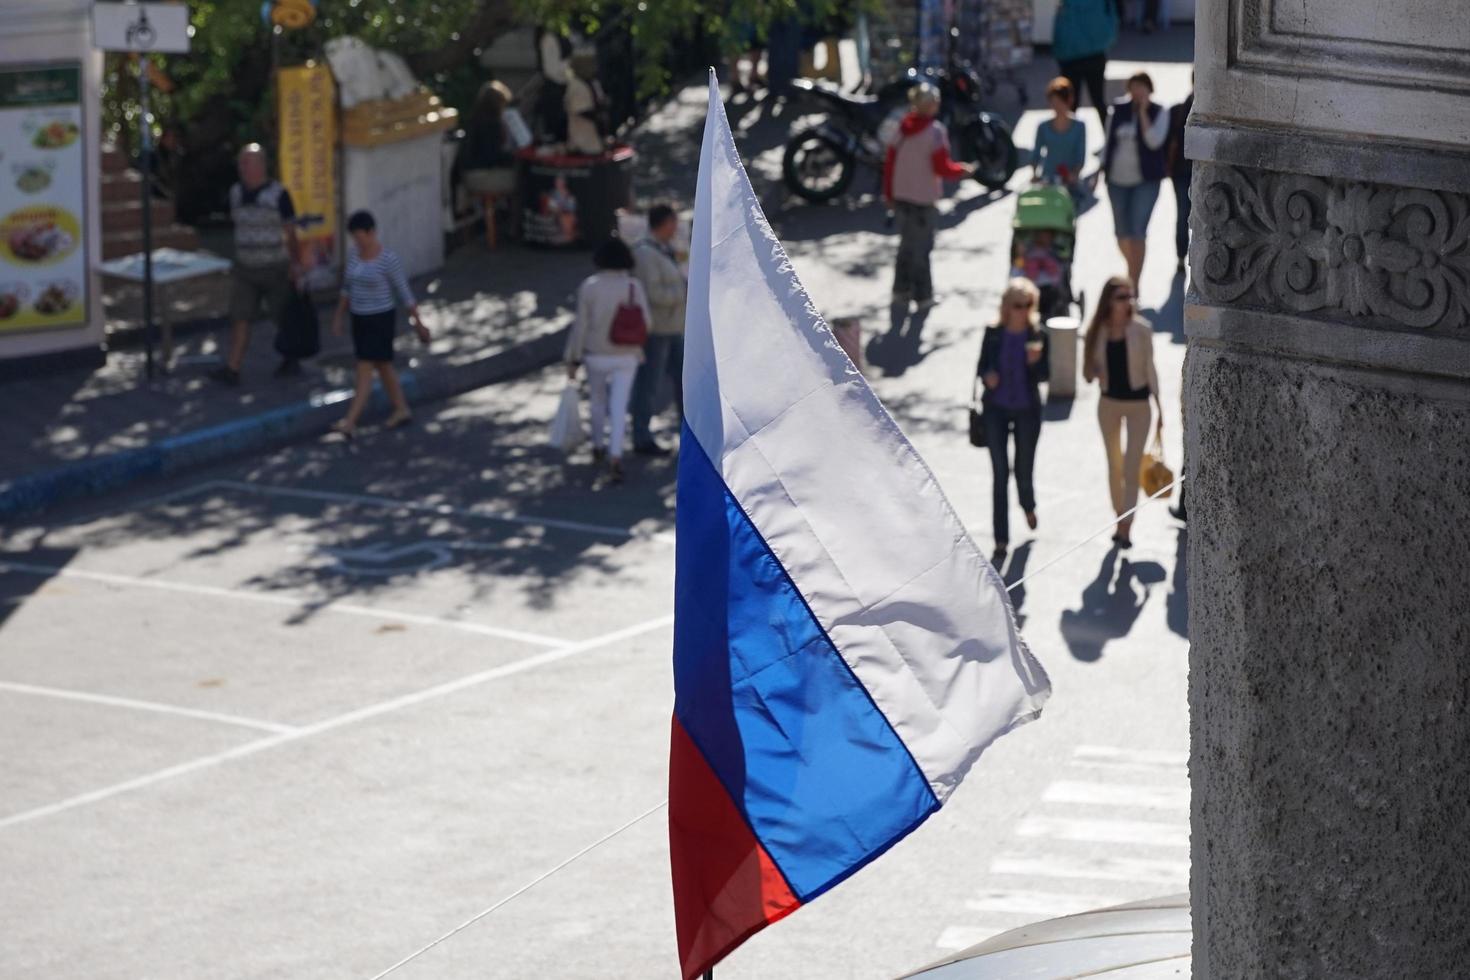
629 327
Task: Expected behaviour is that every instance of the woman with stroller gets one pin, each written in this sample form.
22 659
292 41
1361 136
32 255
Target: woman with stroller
604 297
1061 141
1118 353
1013 362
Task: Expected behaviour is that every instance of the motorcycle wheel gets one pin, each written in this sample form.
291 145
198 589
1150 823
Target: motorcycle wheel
989 146
816 167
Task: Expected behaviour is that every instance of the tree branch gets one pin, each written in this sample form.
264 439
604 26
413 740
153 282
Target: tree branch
493 18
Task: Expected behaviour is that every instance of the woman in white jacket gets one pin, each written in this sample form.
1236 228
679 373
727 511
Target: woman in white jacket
1118 353
611 366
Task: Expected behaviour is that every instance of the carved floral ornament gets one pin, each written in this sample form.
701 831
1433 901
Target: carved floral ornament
1298 244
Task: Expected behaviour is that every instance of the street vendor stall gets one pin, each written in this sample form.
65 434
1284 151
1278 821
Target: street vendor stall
569 199
392 158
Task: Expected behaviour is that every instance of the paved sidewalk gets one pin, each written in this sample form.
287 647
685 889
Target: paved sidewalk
494 316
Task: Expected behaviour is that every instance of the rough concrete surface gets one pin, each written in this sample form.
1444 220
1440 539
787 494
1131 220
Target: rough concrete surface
1329 682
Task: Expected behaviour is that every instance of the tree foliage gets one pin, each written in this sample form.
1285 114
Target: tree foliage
221 91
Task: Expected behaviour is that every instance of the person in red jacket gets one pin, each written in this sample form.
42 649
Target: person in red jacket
914 170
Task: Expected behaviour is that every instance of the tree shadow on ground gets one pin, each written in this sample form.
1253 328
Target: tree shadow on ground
1110 605
476 481
19 583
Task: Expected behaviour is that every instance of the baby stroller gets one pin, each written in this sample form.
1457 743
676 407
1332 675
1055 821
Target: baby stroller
1044 233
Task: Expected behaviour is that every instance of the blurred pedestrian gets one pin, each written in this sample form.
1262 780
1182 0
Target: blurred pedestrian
1181 171
1118 353
915 167
267 258
657 268
373 287
1134 165
585 106
1061 141
553 62
484 162
1013 363
608 299
1082 35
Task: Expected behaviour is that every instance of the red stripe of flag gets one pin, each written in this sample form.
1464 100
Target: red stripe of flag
726 887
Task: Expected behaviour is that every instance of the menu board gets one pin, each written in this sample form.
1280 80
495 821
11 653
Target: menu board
43 254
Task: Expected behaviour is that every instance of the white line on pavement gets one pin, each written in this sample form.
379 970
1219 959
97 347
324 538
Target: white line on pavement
360 714
284 599
1152 870
153 706
1044 904
441 509
1154 758
1106 831
1113 794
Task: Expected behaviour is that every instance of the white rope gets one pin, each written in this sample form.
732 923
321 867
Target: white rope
521 890
659 806
1102 530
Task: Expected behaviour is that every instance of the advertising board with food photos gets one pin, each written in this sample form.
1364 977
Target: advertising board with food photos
43 254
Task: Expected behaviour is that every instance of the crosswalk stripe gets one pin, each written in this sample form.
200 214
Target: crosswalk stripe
1156 758
1106 831
1117 794
1140 870
1041 904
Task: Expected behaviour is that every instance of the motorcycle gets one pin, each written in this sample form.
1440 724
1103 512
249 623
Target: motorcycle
821 161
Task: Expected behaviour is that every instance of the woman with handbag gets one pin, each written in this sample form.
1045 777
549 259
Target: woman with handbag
1118 353
608 336
1013 363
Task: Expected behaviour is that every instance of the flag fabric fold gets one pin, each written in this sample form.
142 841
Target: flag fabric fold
843 652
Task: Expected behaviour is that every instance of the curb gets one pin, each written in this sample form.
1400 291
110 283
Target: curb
266 430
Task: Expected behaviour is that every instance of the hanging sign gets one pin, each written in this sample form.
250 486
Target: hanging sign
307 103
141 27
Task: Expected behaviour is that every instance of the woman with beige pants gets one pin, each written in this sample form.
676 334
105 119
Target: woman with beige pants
1119 356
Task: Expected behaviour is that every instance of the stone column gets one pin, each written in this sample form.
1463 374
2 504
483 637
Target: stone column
1327 405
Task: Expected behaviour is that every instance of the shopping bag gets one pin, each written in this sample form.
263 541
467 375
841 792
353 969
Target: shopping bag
1153 473
298 332
567 431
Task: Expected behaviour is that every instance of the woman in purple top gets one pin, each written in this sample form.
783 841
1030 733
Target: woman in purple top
1013 363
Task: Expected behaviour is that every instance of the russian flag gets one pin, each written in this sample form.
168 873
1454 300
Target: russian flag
842 651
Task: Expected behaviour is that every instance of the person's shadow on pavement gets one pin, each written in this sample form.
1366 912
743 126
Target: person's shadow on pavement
1178 604
1110 605
900 348
1015 571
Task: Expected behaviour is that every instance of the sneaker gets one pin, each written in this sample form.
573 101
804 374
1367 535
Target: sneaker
652 449
615 472
925 305
226 376
288 368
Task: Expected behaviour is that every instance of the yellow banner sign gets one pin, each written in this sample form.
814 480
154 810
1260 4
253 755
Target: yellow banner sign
308 127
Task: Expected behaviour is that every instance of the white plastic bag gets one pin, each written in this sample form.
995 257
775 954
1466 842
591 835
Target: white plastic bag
567 430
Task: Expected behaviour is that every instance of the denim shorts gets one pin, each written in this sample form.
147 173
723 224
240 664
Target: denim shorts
1132 207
